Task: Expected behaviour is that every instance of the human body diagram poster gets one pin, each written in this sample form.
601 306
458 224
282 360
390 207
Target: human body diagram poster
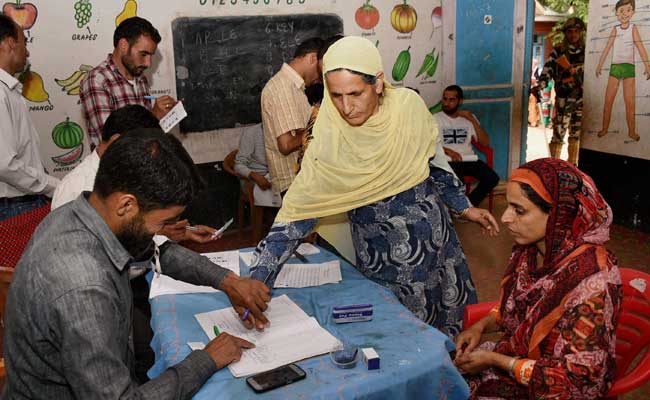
616 82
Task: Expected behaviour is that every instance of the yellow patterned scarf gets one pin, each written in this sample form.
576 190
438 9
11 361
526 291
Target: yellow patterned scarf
348 167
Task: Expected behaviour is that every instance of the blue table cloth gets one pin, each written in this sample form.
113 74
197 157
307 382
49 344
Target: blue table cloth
415 363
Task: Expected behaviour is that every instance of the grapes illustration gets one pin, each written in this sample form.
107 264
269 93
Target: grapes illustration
82 12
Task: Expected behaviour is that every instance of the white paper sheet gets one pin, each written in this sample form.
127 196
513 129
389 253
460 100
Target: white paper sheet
266 198
162 284
307 249
465 157
292 336
306 275
173 117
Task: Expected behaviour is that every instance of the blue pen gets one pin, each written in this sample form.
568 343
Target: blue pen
244 316
149 97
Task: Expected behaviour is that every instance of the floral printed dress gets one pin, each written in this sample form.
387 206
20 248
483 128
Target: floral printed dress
405 242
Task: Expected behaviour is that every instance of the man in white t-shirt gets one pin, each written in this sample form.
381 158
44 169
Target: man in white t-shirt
458 128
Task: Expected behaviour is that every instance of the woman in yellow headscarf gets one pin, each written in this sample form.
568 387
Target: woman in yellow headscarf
372 158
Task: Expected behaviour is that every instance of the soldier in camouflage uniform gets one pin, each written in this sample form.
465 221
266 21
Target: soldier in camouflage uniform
565 68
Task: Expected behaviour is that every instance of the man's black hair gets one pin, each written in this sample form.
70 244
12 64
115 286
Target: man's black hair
311 45
127 118
8 28
132 28
327 43
455 88
152 166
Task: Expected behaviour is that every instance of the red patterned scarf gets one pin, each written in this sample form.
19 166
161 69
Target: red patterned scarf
578 225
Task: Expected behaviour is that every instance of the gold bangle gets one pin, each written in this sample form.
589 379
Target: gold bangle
464 212
511 366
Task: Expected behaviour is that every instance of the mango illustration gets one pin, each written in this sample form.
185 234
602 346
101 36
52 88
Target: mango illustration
33 88
129 11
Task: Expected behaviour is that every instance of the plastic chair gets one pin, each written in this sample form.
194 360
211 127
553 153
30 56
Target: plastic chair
15 233
489 160
632 332
245 197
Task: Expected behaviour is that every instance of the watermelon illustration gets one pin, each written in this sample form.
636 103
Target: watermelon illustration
70 157
67 134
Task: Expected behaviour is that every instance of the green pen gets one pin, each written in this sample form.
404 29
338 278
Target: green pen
216 331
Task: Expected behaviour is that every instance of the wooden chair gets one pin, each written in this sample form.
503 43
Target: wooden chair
489 160
245 197
632 332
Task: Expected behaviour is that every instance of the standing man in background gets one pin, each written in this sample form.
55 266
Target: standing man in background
286 111
565 68
119 81
24 184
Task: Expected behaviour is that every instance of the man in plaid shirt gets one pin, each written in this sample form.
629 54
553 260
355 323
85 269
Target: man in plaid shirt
118 80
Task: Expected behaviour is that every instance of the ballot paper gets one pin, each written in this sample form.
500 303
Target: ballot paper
162 284
292 336
465 157
306 275
173 117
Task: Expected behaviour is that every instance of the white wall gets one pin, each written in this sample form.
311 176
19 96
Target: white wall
56 52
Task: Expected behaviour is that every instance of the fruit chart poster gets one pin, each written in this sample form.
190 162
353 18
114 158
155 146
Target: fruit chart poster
617 78
67 38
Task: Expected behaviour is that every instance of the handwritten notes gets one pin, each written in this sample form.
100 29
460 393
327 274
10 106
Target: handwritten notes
173 117
292 336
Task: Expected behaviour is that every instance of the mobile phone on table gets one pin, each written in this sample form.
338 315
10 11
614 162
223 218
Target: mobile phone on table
275 378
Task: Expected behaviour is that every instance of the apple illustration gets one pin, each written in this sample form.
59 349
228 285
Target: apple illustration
24 14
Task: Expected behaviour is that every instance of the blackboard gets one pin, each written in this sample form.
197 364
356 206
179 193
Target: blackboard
223 63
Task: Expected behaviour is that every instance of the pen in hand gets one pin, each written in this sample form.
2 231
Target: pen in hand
246 313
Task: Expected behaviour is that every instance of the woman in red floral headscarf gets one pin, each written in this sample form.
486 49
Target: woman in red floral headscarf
560 296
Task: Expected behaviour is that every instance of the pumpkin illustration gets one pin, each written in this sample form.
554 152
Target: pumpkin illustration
403 18
67 134
367 16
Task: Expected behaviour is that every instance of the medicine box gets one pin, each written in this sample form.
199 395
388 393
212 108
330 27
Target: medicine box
370 358
352 313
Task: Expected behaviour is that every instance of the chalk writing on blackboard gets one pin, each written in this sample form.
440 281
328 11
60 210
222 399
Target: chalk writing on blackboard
223 63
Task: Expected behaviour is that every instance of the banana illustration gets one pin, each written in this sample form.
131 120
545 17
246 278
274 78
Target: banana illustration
72 78
71 83
74 91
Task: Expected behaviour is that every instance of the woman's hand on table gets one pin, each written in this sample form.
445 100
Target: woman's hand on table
476 361
467 340
248 294
225 349
482 217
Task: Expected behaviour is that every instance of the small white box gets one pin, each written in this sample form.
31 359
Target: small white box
370 358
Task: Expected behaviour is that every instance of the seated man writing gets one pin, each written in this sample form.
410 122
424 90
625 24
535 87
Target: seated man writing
458 128
68 320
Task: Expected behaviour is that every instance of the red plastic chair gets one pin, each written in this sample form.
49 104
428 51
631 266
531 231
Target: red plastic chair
489 160
15 233
632 332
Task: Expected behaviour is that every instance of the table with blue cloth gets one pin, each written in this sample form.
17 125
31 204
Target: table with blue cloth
415 363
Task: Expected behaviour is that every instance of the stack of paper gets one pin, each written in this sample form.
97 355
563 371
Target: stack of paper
292 336
162 284
306 275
